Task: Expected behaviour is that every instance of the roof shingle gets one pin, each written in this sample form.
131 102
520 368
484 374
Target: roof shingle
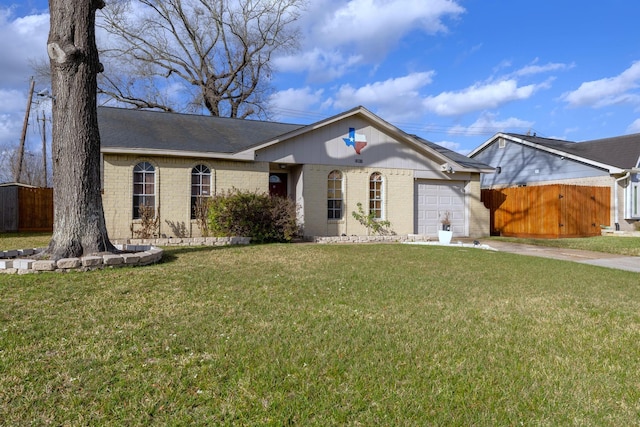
620 151
144 129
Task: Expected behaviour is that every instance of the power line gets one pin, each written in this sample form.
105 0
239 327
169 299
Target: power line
417 127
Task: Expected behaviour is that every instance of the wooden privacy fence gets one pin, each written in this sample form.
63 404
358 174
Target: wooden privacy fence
548 211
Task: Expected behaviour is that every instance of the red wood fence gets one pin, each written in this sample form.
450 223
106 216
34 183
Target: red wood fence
549 211
35 209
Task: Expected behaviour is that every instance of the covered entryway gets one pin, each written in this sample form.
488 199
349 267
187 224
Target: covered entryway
278 184
432 200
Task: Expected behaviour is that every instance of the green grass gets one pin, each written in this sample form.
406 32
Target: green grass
610 244
318 335
10 241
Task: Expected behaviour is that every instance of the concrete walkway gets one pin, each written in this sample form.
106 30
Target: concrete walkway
620 262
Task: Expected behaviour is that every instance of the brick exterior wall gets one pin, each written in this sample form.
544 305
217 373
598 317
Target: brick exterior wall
479 215
398 200
173 195
173 190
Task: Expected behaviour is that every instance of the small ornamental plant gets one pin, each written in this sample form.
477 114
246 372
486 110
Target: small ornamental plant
445 219
149 223
373 225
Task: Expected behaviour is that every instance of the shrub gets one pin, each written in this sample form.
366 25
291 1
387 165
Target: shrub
374 225
201 211
262 217
284 218
149 223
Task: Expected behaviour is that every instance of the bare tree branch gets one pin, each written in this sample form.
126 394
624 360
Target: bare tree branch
179 53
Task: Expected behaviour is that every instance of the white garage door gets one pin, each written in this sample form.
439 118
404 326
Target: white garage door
433 198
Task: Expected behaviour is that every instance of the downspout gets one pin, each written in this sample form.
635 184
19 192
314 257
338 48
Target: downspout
615 199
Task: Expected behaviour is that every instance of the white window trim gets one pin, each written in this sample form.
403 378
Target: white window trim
632 199
342 199
211 186
155 187
383 196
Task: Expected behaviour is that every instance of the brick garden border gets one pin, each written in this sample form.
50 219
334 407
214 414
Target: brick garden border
136 252
24 261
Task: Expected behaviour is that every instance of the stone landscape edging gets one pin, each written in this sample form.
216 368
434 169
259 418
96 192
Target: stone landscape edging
24 261
135 252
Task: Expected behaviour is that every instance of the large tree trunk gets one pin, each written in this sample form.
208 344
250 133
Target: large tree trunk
78 226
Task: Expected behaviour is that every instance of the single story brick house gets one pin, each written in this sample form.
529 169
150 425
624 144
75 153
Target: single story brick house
530 160
169 160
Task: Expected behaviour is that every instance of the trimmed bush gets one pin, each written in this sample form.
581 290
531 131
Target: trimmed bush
262 217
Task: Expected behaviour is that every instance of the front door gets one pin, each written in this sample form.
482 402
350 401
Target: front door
278 184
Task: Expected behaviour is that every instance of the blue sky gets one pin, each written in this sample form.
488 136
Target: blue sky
452 72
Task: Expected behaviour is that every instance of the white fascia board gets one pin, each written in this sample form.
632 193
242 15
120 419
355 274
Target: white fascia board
388 127
246 156
304 129
487 142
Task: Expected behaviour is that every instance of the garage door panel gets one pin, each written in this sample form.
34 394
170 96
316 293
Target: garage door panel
432 200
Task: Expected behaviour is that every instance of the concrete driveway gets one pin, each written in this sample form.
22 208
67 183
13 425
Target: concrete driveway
620 262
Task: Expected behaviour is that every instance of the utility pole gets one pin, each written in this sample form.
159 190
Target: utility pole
24 131
44 148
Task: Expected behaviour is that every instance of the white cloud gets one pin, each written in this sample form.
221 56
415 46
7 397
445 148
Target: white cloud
291 101
321 65
480 97
607 91
9 128
533 68
339 36
390 97
488 124
453 146
378 22
634 127
13 99
23 40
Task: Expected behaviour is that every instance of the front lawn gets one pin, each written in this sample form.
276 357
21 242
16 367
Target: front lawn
322 335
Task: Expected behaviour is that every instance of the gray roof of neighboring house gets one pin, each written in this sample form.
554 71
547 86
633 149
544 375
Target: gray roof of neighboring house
620 151
144 129
460 159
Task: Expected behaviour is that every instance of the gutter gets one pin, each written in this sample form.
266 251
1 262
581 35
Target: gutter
242 156
616 215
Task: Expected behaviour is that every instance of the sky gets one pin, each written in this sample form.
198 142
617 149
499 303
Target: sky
454 72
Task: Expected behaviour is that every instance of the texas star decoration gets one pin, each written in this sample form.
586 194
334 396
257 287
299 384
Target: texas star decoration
356 140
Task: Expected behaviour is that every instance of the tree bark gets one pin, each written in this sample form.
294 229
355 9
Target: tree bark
78 227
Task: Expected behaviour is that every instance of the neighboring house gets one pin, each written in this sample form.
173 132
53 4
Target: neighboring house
524 160
168 161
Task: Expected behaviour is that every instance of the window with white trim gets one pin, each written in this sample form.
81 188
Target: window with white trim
200 186
334 195
375 195
144 187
